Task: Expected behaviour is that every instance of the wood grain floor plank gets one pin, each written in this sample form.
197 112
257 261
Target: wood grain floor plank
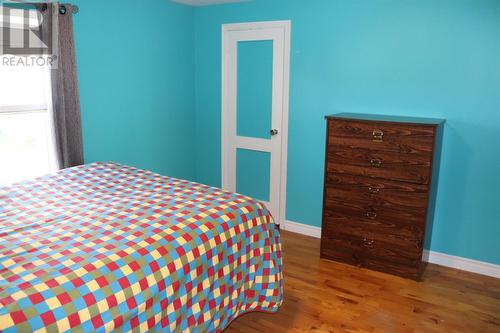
325 296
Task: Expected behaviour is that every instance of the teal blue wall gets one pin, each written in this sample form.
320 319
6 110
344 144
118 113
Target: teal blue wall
431 58
136 75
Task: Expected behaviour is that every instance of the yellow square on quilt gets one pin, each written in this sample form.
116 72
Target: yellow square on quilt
136 288
151 279
84 314
204 228
170 291
18 295
80 271
207 316
42 286
93 285
8 263
67 263
17 270
195 308
155 254
126 270
120 297
53 303
63 325
143 327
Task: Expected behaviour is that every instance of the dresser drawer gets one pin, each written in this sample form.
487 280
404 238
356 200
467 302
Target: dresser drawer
411 269
402 219
407 237
360 249
381 136
414 168
377 192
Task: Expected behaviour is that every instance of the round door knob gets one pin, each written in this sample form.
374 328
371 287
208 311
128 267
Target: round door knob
273 132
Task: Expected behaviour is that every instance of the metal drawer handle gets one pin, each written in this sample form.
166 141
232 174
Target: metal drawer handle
378 135
374 190
368 242
376 163
371 215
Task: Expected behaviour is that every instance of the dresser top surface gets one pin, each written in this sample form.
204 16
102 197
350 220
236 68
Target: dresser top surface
386 118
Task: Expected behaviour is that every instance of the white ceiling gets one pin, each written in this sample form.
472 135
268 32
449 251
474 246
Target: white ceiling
206 2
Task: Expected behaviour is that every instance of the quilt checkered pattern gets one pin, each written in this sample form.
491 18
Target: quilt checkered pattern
106 247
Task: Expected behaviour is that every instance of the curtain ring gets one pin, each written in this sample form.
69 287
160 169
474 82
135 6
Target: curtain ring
62 9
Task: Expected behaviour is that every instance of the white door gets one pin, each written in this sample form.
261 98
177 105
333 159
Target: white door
255 85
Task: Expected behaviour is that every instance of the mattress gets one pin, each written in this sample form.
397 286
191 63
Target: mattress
106 247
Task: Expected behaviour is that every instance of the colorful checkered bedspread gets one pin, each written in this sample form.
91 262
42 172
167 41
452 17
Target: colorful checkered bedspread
106 247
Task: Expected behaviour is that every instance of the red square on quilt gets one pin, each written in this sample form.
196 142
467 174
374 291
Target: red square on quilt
48 318
171 267
144 284
97 321
6 300
177 304
52 283
77 282
131 303
112 266
134 322
89 299
101 281
15 277
89 267
163 251
112 302
151 322
124 283
134 266
18 317
118 322
36 298
25 285
64 298
154 266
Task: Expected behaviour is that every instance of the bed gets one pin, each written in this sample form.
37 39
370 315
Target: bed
107 247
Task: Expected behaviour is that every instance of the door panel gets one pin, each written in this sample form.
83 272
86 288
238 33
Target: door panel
255 65
253 169
255 88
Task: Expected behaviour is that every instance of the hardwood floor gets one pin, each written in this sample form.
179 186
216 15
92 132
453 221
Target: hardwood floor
324 296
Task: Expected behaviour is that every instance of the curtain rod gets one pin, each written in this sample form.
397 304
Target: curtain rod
62 7
74 9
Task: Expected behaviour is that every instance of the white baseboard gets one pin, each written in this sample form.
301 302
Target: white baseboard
461 263
303 229
433 257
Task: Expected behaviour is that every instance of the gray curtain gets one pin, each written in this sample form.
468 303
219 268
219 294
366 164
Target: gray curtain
58 22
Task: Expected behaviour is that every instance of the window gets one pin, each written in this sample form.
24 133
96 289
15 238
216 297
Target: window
27 146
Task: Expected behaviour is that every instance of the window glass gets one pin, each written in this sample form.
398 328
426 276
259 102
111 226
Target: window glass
27 146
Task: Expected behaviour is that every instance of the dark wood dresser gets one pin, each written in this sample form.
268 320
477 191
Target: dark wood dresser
379 192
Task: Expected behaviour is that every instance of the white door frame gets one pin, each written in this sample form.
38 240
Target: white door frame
284 28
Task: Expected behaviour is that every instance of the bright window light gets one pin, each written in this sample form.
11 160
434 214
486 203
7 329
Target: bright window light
27 148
